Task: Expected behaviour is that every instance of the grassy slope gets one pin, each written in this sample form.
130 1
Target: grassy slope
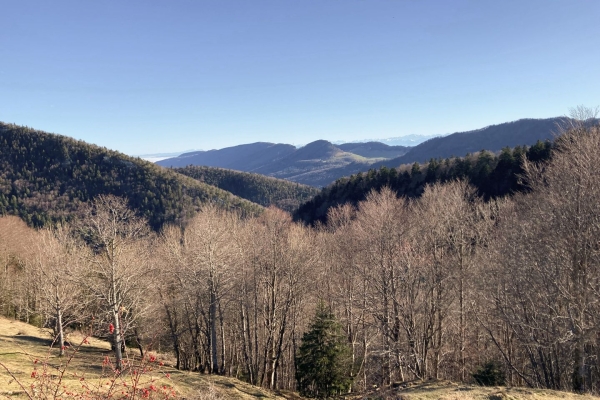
444 390
21 344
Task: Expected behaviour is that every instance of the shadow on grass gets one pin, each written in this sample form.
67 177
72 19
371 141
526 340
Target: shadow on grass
30 339
240 388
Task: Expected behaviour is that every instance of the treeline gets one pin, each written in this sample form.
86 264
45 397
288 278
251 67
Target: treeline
257 188
492 175
437 286
46 178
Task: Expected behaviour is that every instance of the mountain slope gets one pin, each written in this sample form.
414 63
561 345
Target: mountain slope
374 149
316 164
493 176
46 177
245 157
257 188
492 138
320 163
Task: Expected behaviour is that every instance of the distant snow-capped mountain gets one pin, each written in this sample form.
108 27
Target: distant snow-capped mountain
408 140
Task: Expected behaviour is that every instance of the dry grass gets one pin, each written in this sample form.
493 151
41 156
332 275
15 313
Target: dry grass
21 344
445 390
25 349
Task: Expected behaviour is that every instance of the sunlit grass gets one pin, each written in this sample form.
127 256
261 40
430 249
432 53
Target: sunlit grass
25 354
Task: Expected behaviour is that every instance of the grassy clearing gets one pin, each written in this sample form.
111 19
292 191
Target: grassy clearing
445 390
27 358
22 344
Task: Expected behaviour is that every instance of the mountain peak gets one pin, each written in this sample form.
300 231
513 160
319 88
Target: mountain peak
318 149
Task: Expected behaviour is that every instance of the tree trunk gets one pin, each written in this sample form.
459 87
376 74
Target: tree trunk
117 339
212 311
61 333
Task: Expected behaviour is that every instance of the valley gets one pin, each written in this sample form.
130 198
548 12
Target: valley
321 163
397 266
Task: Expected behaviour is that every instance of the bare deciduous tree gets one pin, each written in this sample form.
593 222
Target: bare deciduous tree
57 256
117 267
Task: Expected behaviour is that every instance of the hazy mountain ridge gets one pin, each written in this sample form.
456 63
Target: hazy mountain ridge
244 157
491 138
321 162
406 140
374 149
46 177
316 164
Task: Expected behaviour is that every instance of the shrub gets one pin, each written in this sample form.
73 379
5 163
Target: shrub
490 374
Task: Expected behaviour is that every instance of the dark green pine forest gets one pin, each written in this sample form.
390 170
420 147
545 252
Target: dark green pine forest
493 175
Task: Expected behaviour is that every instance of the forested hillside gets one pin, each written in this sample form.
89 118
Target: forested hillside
524 132
256 188
46 177
449 285
492 176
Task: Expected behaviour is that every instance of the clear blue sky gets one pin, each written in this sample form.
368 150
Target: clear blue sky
145 76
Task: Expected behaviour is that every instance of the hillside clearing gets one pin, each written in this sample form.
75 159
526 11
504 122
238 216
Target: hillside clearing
22 344
446 390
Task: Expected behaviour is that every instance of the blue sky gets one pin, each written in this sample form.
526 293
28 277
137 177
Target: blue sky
145 76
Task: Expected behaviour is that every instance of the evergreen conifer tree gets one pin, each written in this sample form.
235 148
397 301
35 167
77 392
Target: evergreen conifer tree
324 363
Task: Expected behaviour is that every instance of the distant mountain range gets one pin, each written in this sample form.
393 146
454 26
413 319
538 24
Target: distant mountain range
492 138
321 162
408 140
317 164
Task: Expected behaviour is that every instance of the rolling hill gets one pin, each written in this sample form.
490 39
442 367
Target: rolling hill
524 132
320 163
316 164
257 188
245 157
492 175
374 149
46 178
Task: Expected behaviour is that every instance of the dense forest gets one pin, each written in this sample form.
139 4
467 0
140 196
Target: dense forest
257 188
435 286
492 175
47 178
